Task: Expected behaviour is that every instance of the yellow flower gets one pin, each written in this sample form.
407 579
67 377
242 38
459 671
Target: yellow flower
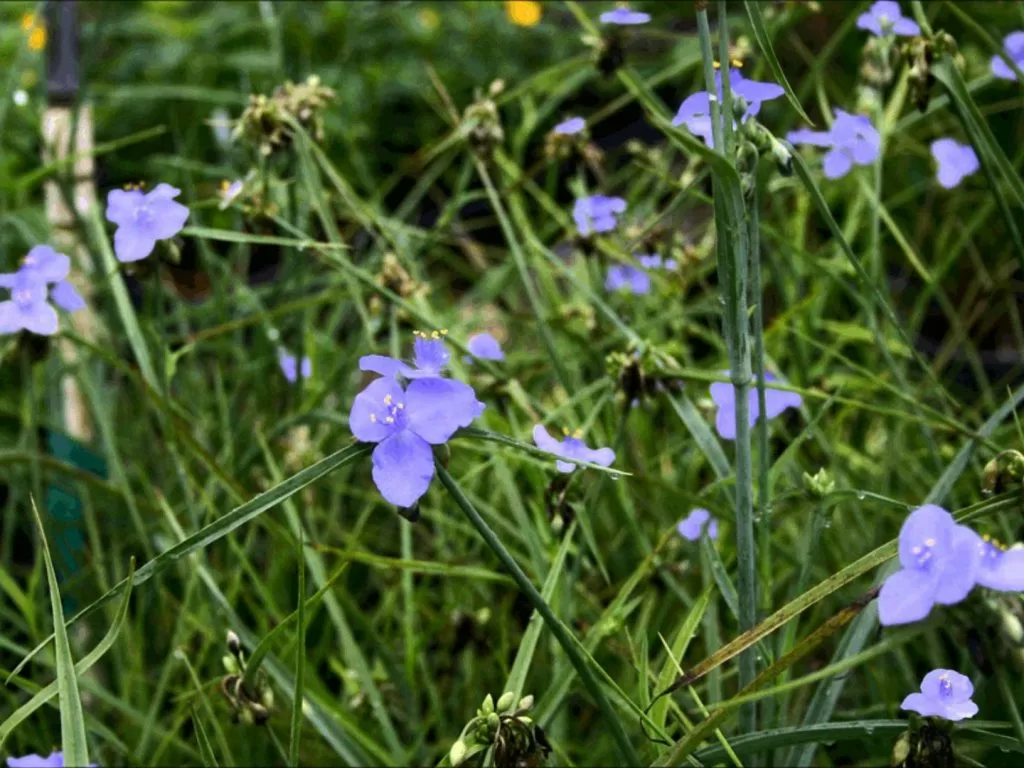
525 13
28 21
37 39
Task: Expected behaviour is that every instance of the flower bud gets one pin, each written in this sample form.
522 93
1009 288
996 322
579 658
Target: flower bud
234 644
505 702
493 722
820 484
782 156
488 706
457 753
525 703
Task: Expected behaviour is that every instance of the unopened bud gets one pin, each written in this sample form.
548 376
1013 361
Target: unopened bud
234 644
782 156
820 484
901 750
457 753
493 722
525 703
267 699
230 664
505 702
488 706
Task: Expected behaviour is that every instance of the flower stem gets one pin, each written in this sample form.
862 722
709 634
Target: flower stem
558 629
732 250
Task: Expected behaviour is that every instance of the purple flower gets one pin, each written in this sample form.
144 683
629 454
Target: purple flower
290 366
405 423
955 161
999 568
570 127
484 346
430 356
55 760
694 524
624 277
571 447
1013 44
852 139
944 693
885 17
597 213
654 261
724 394
624 17
50 267
229 191
142 219
940 562
27 308
695 111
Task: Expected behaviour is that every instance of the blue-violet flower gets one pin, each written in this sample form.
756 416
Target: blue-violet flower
955 161
695 111
885 17
625 277
597 213
623 16
697 522
142 219
430 356
484 346
569 448
853 140
944 693
570 127
1013 44
290 366
724 394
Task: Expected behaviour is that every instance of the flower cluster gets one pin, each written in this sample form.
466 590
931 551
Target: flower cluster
695 111
42 276
406 420
941 563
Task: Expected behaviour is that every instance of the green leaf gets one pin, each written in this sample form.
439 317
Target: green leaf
72 721
205 747
295 727
677 651
218 529
765 44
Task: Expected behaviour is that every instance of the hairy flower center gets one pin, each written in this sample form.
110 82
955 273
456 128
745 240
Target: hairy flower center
945 687
143 215
394 414
923 553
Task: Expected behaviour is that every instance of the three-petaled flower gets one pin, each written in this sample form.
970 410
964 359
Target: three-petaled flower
623 277
142 219
955 161
570 127
623 16
853 140
724 394
28 308
485 347
940 561
406 421
571 448
654 261
944 693
695 111
696 523
885 17
597 213
1013 44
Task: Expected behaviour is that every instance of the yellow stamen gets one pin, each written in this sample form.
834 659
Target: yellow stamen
929 542
565 431
373 417
389 420
716 64
387 399
578 434
737 63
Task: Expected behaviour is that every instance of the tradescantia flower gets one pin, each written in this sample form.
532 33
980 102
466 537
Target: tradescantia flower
695 111
1013 44
55 760
885 17
484 346
944 693
570 127
142 219
955 161
290 366
28 308
999 568
724 394
623 277
940 562
569 448
623 16
430 356
229 191
597 213
654 261
852 140
44 265
696 523
405 422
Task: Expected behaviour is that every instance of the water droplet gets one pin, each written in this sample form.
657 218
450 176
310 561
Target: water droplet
861 495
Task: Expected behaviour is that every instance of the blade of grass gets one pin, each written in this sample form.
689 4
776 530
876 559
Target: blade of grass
205 747
764 42
295 727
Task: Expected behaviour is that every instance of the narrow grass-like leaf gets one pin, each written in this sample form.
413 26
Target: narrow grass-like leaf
218 529
764 42
677 650
295 727
205 747
72 722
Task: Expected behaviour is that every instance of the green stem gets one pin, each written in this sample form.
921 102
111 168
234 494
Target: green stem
558 629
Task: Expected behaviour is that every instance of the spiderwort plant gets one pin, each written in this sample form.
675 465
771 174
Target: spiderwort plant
623 16
695 111
144 218
597 213
430 358
571 126
955 161
624 277
695 524
723 394
852 140
290 366
406 421
1013 44
40 277
884 18
944 693
571 447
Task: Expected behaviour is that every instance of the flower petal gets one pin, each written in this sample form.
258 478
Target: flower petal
132 243
66 297
906 596
121 205
1008 573
836 164
371 408
777 400
811 138
961 710
10 317
48 265
437 407
430 355
958 570
385 366
39 318
545 441
485 346
8 279
403 466
906 27
924 706
926 522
